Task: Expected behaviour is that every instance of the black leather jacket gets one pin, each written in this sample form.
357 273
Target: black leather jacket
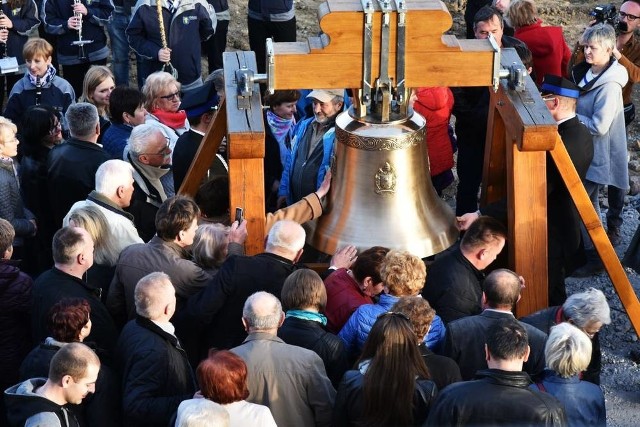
496 397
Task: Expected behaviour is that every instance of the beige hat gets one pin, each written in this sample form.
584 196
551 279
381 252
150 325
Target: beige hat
325 95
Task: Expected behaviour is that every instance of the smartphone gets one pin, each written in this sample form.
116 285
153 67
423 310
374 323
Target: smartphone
239 215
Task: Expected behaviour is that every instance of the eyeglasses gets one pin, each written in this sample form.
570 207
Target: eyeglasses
162 152
630 18
548 98
171 96
395 314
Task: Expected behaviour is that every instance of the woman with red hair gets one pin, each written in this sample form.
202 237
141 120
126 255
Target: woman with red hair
222 378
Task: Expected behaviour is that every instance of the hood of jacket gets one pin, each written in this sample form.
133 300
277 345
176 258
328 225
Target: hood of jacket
8 273
22 401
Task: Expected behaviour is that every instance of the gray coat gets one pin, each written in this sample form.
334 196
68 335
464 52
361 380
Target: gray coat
600 108
290 380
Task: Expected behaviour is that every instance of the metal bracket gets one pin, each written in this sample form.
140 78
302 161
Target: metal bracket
365 101
245 80
515 76
401 35
496 62
271 67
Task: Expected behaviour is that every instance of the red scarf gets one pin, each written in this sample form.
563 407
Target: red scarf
173 120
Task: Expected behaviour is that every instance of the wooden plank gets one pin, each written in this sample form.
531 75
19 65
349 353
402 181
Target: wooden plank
245 143
527 207
206 153
593 225
494 183
295 71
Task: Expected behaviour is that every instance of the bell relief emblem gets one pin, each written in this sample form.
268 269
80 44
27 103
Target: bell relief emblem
386 179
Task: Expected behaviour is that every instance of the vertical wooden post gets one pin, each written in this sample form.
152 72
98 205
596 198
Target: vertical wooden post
527 204
245 145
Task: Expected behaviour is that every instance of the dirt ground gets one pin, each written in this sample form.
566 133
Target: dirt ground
621 375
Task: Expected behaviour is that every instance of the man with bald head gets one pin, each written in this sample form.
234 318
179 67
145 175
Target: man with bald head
466 336
218 307
156 374
72 256
290 380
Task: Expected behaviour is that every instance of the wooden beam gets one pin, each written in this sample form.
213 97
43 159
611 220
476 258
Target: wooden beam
593 225
245 145
206 153
520 130
432 59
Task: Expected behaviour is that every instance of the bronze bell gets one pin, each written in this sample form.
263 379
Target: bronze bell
381 191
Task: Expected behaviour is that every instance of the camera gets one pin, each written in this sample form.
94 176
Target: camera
605 13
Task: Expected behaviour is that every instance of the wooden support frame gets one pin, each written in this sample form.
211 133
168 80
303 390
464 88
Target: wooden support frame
593 225
520 130
244 130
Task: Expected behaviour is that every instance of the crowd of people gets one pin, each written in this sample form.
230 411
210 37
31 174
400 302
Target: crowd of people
125 303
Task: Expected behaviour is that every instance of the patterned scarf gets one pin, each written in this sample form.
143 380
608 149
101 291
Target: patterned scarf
46 79
281 128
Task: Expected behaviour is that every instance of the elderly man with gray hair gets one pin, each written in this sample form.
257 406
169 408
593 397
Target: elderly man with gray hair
588 311
156 375
114 187
218 307
71 167
290 380
149 154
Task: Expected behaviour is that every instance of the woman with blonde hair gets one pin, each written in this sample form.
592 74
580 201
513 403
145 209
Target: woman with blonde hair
96 89
162 101
567 354
105 253
403 274
12 208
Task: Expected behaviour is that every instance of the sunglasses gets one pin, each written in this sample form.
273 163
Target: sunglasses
171 96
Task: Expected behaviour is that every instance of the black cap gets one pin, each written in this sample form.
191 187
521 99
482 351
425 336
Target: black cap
200 100
559 86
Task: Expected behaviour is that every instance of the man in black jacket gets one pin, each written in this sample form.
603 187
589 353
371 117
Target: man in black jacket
466 337
471 109
501 394
71 167
454 283
563 222
156 374
72 256
218 307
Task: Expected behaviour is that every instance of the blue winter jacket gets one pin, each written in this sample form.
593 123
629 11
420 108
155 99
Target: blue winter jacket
327 143
194 21
58 94
115 139
25 20
55 16
583 401
354 333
